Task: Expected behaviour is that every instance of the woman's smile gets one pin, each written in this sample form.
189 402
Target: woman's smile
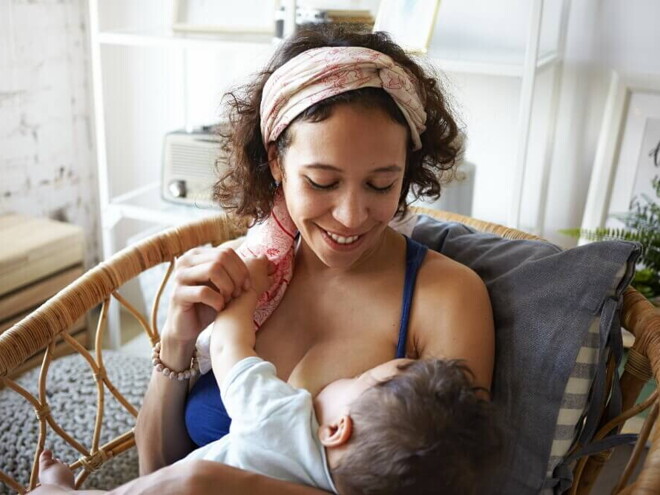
343 243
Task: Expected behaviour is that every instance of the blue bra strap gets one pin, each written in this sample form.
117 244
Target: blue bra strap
415 253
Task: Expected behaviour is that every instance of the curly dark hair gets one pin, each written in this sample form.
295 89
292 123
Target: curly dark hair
248 186
424 431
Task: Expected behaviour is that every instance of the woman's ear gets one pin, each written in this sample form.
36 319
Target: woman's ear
274 162
337 433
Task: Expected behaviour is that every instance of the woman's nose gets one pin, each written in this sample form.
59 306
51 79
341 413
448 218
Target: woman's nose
351 210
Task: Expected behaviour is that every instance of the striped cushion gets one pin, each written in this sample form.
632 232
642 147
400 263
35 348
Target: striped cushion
574 402
574 405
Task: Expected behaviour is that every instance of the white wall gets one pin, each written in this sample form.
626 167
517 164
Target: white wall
603 35
488 105
47 164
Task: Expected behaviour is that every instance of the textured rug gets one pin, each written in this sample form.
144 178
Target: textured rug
72 395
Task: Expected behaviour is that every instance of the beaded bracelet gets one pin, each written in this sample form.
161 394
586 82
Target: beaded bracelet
171 374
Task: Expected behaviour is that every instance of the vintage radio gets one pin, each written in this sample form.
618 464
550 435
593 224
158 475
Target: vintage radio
192 163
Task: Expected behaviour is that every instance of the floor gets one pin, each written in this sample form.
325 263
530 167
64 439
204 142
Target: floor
135 342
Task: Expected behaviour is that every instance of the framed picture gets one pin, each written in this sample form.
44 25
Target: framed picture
409 22
628 152
212 16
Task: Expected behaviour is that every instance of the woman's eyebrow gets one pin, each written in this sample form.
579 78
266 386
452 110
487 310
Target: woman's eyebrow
389 168
332 168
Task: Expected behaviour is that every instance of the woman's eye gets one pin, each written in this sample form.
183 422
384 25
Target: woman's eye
323 187
382 189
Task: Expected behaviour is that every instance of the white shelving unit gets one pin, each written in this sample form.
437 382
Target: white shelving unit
147 204
164 38
143 201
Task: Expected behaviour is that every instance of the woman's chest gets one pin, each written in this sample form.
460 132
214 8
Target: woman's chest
319 334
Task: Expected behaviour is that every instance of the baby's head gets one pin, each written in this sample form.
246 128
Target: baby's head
407 427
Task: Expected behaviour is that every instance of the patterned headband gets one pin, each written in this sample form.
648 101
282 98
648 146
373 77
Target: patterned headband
320 73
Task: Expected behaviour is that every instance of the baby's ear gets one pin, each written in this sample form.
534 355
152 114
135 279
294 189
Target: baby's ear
336 433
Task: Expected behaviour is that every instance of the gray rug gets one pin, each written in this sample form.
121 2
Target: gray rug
72 397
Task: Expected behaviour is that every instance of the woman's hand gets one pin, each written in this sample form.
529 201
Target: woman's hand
205 280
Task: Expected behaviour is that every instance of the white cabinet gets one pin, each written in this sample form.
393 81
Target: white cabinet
509 46
148 81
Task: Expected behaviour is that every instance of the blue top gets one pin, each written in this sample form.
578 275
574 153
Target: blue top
205 414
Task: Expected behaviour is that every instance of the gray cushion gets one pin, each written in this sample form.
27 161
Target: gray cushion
71 393
544 301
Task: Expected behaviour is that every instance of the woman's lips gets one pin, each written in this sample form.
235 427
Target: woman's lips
340 242
343 239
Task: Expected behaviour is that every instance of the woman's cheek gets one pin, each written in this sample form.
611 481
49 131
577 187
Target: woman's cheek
303 203
389 205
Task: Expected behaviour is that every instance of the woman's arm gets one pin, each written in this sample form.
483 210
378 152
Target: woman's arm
204 281
198 477
160 431
453 317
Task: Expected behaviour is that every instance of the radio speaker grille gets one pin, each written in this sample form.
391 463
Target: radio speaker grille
188 161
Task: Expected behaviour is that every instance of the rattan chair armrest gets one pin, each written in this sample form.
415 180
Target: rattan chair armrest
59 313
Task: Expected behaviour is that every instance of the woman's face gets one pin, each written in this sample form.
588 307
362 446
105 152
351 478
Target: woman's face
342 181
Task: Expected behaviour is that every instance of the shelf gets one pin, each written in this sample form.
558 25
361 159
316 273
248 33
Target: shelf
168 38
503 62
506 63
147 204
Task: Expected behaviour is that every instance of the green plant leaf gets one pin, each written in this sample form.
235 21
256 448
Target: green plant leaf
641 224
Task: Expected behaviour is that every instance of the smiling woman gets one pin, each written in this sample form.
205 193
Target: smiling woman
325 145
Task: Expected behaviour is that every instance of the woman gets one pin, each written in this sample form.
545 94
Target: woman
337 137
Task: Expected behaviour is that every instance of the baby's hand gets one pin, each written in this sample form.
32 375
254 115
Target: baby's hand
260 270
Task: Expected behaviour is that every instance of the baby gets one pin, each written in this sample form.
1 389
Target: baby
404 426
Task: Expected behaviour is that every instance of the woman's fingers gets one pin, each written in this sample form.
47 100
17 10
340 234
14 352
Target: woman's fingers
194 256
199 255
188 296
222 268
205 275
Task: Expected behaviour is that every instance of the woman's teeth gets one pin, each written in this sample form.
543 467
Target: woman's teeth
342 240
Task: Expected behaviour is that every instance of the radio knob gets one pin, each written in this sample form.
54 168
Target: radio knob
178 188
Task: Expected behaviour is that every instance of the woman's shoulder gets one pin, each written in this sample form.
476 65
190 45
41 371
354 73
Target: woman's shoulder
447 286
439 274
452 316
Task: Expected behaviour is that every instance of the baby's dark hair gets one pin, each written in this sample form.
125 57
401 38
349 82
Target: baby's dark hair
248 186
423 431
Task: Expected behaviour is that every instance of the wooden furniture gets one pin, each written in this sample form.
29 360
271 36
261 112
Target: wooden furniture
38 257
44 325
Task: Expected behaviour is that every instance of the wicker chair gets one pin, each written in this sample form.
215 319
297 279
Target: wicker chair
39 330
